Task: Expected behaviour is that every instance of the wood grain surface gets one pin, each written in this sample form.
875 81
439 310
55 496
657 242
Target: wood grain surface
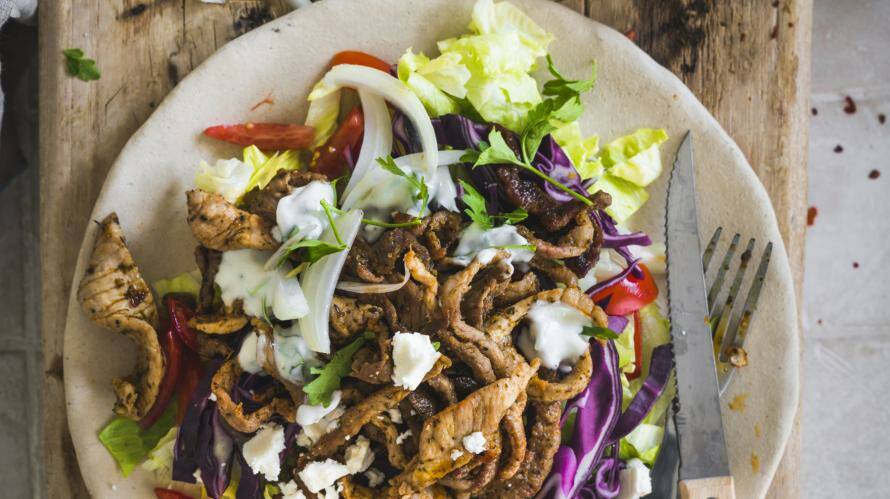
748 62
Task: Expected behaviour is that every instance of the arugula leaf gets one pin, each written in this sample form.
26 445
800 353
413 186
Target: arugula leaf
602 333
129 444
327 212
437 345
79 66
419 185
321 388
514 217
563 86
312 250
476 208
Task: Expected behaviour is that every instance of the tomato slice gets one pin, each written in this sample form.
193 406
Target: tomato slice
360 59
170 494
638 348
338 154
268 136
629 294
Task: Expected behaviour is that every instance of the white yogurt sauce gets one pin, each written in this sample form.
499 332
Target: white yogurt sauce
301 209
311 414
554 334
248 353
292 354
477 242
241 276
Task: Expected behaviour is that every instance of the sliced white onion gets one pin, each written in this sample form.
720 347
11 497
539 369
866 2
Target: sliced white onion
376 143
373 288
320 279
396 93
272 262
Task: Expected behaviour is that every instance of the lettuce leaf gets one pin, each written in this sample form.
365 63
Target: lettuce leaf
265 167
324 111
228 178
579 149
160 458
436 82
635 157
503 17
186 283
627 198
642 443
129 444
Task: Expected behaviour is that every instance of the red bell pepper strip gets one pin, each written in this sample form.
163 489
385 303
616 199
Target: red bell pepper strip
173 353
629 294
170 494
268 136
638 348
179 319
337 155
360 59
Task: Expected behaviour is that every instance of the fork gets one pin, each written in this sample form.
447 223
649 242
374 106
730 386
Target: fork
728 330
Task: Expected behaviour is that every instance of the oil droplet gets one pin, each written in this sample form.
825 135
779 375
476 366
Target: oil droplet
738 403
758 431
755 463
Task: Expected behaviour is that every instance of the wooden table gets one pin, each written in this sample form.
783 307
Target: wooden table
748 62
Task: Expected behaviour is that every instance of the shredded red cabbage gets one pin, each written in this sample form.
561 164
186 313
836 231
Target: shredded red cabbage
659 371
612 280
552 160
617 323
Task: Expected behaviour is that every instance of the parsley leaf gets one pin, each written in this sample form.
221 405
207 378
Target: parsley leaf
311 250
602 333
514 217
529 247
476 209
322 387
79 66
563 86
419 185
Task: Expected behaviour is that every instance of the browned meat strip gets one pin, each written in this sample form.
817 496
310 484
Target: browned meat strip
440 231
574 243
114 295
219 225
514 291
555 271
443 386
502 323
482 411
425 276
363 412
413 311
384 431
470 355
211 347
528 194
220 324
514 428
372 364
543 441
359 261
349 317
469 479
479 300
265 202
569 386
208 263
233 413
352 490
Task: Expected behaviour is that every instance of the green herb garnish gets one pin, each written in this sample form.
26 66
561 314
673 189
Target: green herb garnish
323 386
79 66
602 333
417 183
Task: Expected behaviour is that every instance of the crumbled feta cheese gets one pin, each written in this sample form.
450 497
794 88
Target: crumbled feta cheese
311 433
291 490
413 356
554 334
375 477
212 396
113 487
197 475
319 475
332 492
474 442
261 452
635 480
311 414
359 455
456 453
395 415
404 436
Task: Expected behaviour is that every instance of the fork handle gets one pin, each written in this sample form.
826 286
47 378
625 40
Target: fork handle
706 488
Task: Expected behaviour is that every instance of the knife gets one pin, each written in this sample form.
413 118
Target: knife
704 466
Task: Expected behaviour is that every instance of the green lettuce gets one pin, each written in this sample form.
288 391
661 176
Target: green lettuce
635 157
160 458
627 198
625 347
324 111
186 283
266 167
129 444
505 18
228 178
436 82
579 149
642 443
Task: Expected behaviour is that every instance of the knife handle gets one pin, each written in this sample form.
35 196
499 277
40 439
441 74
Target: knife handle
706 488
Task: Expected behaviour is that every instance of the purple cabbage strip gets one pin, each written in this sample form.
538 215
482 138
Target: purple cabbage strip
597 410
612 280
251 484
606 482
403 135
617 323
659 371
553 161
215 448
195 430
612 239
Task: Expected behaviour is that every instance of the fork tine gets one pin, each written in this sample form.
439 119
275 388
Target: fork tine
725 312
721 274
709 251
739 330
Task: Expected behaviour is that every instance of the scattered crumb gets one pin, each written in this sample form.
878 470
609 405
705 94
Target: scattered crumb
814 111
738 357
790 25
758 431
774 33
266 101
113 487
812 211
838 148
775 3
738 403
819 321
874 174
849 105
743 36
631 35
882 118
755 463
855 265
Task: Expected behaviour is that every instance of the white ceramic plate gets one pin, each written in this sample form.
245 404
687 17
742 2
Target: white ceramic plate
285 57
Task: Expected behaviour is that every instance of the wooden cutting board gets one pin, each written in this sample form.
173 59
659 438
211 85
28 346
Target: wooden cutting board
748 62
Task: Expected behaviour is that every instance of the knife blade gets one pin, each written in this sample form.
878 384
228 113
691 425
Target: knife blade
704 466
